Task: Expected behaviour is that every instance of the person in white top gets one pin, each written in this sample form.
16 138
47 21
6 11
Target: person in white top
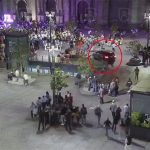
126 110
101 94
17 74
113 108
26 79
128 142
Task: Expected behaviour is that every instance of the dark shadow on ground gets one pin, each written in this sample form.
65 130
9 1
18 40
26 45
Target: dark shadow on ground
122 142
88 125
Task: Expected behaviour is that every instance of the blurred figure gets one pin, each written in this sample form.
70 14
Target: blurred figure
136 71
128 142
83 113
98 111
129 83
107 125
113 108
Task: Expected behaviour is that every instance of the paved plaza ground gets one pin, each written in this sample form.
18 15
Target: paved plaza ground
18 131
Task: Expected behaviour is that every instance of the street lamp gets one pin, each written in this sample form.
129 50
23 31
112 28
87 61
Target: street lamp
147 17
51 23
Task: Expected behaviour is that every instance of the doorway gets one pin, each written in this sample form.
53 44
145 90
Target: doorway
82 12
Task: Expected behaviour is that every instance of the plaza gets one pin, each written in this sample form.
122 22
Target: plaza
18 130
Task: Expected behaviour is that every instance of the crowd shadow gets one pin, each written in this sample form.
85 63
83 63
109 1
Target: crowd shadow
122 142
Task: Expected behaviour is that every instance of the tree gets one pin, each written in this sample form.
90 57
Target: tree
135 46
20 55
70 26
114 28
57 82
84 67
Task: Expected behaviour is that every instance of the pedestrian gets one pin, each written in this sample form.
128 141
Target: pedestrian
111 88
116 89
68 121
136 71
98 111
62 114
129 83
46 116
128 142
89 83
41 118
114 125
113 108
60 98
101 95
94 84
126 110
38 70
127 125
83 113
48 98
26 79
107 125
118 113
70 100
32 108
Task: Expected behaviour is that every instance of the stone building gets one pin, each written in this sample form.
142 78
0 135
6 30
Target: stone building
105 12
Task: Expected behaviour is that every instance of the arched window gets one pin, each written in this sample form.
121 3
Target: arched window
22 9
50 5
82 10
22 6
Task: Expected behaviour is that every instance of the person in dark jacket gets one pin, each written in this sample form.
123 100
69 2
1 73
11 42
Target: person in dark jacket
41 118
83 113
107 125
129 83
98 111
68 121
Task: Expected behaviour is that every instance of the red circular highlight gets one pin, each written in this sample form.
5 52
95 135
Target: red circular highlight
105 72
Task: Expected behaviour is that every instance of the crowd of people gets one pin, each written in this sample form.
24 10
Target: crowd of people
110 88
59 112
62 111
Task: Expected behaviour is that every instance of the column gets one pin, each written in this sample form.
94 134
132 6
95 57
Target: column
137 11
32 4
66 11
73 10
105 12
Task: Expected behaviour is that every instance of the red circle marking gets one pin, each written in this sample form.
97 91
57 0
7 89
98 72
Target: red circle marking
105 72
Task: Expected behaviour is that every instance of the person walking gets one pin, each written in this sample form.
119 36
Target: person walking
68 121
114 125
107 125
41 119
101 95
136 71
38 69
126 111
98 111
128 142
83 113
129 83
113 108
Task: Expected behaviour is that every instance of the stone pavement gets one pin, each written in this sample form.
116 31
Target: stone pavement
18 131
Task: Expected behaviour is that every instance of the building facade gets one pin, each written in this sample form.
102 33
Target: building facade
104 12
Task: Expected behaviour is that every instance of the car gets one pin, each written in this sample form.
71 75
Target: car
106 56
135 61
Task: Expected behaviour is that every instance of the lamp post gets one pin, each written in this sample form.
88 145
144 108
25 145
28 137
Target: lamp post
147 17
51 23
